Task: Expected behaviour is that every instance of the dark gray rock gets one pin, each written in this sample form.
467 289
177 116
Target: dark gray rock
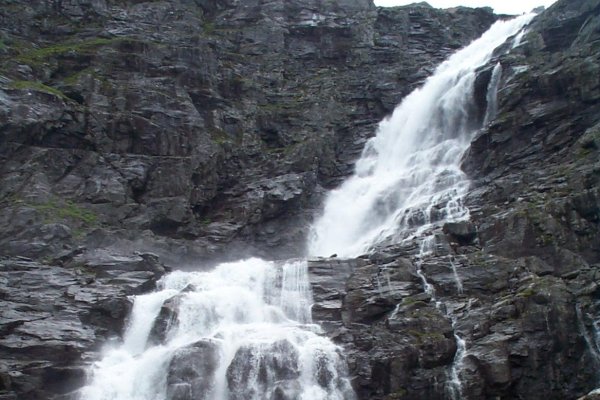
165 321
255 369
192 370
463 233
55 318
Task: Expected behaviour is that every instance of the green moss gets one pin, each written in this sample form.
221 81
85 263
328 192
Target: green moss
41 55
73 79
270 107
206 221
221 137
426 336
55 211
528 292
406 301
208 27
397 395
37 86
546 239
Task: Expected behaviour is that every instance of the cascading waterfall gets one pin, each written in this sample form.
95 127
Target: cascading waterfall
408 179
243 331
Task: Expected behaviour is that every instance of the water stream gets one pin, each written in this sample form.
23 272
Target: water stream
408 179
243 331
591 334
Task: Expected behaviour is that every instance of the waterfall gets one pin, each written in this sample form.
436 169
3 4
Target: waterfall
492 94
408 179
243 331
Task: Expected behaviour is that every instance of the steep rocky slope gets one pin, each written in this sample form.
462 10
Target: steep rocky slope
519 282
198 130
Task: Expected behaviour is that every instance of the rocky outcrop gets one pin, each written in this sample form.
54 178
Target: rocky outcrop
517 320
56 316
191 372
274 365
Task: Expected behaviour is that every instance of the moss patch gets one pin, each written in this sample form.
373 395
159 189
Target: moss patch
208 27
528 292
397 395
424 337
56 211
74 79
38 56
37 86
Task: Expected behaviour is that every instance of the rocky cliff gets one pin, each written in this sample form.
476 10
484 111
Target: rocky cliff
201 130
197 128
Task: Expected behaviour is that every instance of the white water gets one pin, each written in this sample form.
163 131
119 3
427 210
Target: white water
592 339
408 179
492 94
455 384
253 317
257 313
459 285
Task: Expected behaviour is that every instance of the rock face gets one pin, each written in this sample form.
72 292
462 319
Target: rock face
208 129
273 364
199 128
56 315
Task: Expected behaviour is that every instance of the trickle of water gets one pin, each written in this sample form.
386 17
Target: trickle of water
425 248
592 339
455 385
519 38
459 285
492 94
408 179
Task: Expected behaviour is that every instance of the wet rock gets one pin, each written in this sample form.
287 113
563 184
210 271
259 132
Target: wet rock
463 233
255 369
286 391
191 371
55 316
165 321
